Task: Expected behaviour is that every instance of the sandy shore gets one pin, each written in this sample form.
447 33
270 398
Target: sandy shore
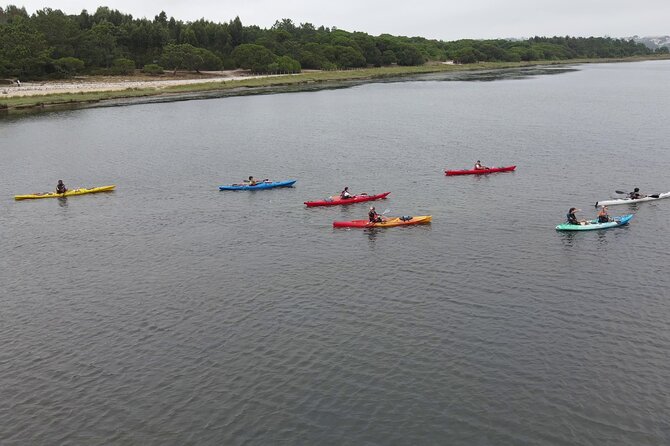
118 83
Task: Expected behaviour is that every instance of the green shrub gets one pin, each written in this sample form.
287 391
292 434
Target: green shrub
152 69
68 66
123 66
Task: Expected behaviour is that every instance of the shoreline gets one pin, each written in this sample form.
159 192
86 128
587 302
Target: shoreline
34 97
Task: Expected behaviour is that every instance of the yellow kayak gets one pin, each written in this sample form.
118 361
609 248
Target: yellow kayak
69 193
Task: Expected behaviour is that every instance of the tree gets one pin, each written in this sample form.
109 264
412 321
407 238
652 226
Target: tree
286 64
60 31
409 55
68 66
210 61
389 58
123 66
235 28
467 55
98 46
188 57
178 56
254 57
23 50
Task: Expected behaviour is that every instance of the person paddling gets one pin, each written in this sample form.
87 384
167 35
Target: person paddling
636 194
345 195
373 216
60 187
572 218
478 166
603 216
252 181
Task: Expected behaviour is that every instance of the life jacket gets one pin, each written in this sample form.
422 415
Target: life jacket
572 219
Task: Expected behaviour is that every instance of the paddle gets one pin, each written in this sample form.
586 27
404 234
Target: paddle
651 196
247 183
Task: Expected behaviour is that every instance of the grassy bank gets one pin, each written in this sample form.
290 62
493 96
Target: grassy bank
309 80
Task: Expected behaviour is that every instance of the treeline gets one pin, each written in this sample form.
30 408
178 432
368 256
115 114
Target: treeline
51 44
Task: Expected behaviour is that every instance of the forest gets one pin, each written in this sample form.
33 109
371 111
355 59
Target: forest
50 44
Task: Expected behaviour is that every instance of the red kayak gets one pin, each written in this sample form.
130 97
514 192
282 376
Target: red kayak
336 200
479 171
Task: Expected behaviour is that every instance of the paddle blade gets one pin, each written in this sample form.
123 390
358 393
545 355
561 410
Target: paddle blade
386 211
619 192
655 196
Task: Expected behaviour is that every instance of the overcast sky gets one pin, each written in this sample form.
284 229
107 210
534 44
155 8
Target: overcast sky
437 19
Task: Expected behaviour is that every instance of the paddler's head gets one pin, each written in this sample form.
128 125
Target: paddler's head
60 181
637 189
251 176
572 210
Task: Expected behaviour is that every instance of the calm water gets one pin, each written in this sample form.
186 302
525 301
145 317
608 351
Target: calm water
168 312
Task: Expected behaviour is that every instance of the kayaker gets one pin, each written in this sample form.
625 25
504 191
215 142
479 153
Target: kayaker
373 216
603 216
572 218
478 166
60 187
251 181
345 194
636 194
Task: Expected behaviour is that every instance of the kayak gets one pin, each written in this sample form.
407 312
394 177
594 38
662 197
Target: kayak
264 185
390 222
479 171
69 193
616 201
593 224
336 200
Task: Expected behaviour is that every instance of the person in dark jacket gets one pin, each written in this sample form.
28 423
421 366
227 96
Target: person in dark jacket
374 217
572 218
60 187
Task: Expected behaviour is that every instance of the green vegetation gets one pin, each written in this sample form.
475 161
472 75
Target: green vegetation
50 45
304 81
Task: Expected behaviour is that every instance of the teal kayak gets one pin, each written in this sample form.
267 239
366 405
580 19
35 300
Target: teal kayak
593 224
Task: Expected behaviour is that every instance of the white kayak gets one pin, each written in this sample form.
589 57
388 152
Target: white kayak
616 201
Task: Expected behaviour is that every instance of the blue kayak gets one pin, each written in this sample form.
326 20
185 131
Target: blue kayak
264 185
593 224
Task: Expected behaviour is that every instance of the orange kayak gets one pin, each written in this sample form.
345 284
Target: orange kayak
389 222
